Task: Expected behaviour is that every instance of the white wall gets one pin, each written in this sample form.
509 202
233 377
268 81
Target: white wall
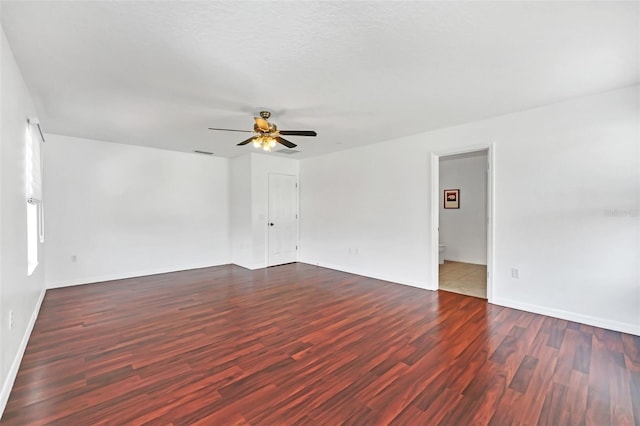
366 211
19 292
127 211
249 205
464 230
241 211
566 208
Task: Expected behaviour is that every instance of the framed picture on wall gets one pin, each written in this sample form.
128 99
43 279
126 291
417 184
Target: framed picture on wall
451 198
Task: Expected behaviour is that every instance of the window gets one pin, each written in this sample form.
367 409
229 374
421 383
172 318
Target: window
35 228
32 237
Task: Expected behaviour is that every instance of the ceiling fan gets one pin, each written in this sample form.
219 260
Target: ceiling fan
266 135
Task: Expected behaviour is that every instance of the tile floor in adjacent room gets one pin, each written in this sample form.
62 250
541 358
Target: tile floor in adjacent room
464 278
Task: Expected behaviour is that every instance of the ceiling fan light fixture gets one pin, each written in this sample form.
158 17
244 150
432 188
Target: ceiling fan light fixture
266 135
266 142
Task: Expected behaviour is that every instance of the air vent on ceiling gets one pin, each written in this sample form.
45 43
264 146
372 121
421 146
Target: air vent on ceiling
203 152
288 151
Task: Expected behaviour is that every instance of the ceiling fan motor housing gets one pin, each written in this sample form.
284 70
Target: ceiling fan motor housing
272 129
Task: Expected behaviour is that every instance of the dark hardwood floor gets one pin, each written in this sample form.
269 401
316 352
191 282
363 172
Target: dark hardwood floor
298 344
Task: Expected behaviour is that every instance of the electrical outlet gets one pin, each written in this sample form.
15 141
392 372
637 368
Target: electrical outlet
74 258
515 273
10 319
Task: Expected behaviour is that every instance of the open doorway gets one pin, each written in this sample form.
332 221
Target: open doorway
462 200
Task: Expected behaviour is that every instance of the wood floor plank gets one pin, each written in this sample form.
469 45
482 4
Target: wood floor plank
299 344
574 408
553 403
521 380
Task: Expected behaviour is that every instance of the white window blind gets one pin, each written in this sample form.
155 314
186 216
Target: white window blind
34 163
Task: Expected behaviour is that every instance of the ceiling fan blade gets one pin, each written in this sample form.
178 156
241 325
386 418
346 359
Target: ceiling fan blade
247 141
286 142
298 132
262 123
231 130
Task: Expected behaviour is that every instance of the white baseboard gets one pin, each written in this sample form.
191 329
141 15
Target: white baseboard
250 267
459 259
15 365
356 271
125 275
570 316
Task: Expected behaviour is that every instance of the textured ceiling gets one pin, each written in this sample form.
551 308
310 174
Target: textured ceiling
159 73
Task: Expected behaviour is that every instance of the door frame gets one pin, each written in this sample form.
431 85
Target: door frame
297 208
435 211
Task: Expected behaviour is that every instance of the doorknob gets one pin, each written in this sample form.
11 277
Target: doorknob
270 223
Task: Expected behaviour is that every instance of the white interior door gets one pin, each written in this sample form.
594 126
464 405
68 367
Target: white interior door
283 219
